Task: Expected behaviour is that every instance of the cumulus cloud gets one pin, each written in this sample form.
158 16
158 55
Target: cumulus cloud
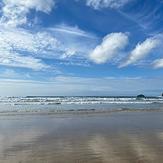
142 50
110 47
158 63
14 12
97 4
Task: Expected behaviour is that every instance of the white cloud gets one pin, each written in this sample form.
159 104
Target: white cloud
12 74
158 63
16 39
72 31
110 46
12 59
17 46
14 12
142 50
97 4
75 43
66 44
61 42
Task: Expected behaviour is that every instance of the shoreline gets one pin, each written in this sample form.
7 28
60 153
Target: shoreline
76 112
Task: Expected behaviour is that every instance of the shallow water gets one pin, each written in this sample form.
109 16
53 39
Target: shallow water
100 138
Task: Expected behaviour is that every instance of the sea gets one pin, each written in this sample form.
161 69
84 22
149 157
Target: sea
61 104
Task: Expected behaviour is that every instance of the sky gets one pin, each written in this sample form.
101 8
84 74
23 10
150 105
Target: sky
81 47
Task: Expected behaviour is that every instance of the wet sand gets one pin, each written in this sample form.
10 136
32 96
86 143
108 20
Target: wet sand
120 137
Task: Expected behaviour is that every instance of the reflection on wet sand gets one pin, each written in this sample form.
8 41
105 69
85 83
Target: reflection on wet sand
103 148
116 138
143 151
125 150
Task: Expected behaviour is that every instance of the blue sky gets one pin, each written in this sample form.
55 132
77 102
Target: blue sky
81 47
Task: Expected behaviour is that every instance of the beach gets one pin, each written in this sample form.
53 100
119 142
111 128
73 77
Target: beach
81 81
117 137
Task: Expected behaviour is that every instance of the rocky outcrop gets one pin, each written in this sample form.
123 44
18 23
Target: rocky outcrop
141 96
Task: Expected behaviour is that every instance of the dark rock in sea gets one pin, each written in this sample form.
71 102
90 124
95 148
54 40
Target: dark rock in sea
139 97
162 94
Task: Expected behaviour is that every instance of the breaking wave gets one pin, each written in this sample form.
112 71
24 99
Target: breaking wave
55 105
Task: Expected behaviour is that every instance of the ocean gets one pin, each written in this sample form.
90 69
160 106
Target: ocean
53 104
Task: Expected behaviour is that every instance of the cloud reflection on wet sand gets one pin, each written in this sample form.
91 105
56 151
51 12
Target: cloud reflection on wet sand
96 139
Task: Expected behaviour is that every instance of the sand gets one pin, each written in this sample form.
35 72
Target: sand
120 137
